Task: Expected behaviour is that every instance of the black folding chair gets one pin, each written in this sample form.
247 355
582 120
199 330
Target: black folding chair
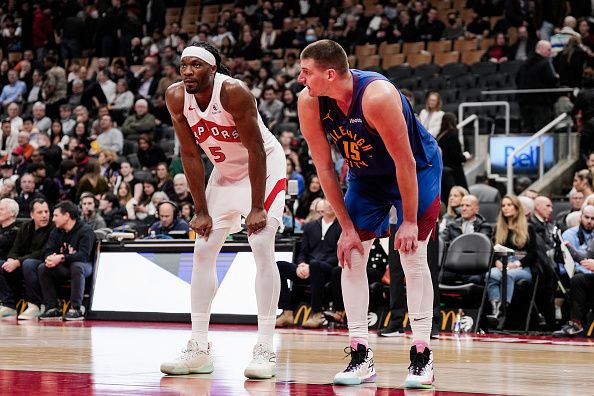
468 254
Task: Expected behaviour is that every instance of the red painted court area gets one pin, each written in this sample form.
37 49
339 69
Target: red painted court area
19 383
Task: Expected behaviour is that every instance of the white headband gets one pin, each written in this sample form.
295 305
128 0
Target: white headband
201 53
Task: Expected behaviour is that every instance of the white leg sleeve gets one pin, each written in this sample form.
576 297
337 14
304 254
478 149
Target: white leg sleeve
204 282
267 280
419 292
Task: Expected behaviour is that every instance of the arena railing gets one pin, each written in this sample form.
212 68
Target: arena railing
538 135
473 118
487 104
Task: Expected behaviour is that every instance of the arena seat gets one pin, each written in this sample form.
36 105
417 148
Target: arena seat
426 71
468 254
399 72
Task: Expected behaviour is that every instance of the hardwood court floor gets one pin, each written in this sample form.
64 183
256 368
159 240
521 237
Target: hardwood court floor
105 358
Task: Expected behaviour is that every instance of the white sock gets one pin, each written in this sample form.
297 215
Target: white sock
419 292
204 283
355 293
267 281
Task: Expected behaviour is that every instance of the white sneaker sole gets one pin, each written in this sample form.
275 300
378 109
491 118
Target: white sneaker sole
259 373
171 370
354 381
414 383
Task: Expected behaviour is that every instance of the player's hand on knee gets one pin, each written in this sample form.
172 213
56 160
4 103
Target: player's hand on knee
202 224
255 220
406 238
348 241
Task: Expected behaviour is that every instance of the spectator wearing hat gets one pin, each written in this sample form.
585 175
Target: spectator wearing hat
27 195
7 173
18 161
81 158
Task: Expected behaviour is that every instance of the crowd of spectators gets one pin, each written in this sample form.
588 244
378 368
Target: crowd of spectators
84 118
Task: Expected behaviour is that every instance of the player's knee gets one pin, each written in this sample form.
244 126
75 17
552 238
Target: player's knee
261 242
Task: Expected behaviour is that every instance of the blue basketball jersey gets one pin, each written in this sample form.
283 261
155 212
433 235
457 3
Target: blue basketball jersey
361 146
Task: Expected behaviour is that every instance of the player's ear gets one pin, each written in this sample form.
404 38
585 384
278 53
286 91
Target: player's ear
331 74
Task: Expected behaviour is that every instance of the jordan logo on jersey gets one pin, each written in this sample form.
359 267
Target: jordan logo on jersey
204 129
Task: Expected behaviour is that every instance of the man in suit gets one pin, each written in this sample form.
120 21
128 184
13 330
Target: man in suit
316 258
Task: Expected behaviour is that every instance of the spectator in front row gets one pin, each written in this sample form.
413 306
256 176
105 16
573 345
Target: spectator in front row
169 220
89 211
23 259
541 220
581 300
9 210
514 232
68 255
317 258
580 240
468 222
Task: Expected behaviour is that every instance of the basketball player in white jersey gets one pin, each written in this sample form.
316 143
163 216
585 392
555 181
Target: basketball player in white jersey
219 114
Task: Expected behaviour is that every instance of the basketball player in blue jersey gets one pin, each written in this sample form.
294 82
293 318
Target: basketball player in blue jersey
393 161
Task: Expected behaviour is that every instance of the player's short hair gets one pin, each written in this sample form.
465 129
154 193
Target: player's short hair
327 54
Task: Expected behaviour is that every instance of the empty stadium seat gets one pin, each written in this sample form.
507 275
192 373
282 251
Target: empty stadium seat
483 68
463 82
453 70
399 72
436 83
426 71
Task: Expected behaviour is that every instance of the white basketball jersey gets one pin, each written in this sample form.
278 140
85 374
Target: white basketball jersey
215 131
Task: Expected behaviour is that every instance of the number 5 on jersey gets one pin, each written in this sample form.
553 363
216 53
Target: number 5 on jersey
217 153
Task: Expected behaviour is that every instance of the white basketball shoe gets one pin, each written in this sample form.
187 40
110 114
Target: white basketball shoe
192 360
263 364
420 371
361 368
